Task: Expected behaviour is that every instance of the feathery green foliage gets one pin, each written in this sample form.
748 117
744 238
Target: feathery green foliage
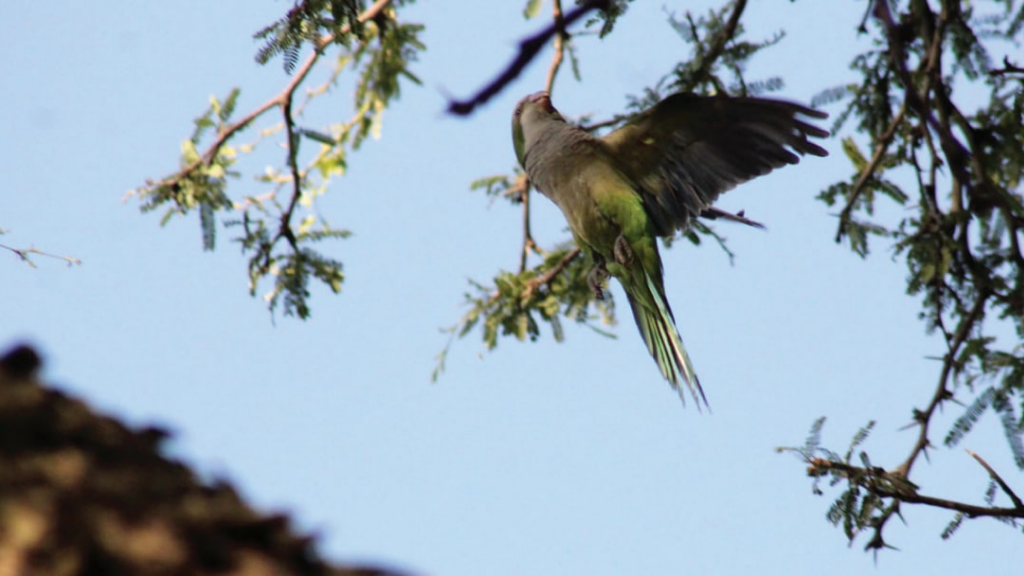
277 226
951 161
935 177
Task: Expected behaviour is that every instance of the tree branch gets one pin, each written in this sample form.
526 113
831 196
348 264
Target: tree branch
869 170
1017 502
968 509
1008 68
942 391
278 100
894 485
23 253
529 245
561 35
549 276
726 34
285 229
528 50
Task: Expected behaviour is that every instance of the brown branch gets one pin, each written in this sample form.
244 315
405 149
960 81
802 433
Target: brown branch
894 485
941 391
718 43
1017 502
706 59
604 123
869 170
285 229
529 245
559 44
528 50
981 175
528 242
279 100
23 253
954 151
547 277
968 509
928 66
1008 68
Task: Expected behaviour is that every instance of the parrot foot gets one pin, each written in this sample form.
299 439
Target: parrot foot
623 253
595 278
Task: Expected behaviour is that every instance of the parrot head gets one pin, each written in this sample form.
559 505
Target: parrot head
528 117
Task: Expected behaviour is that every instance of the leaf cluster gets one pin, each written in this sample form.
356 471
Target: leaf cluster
950 162
278 225
310 21
867 499
517 303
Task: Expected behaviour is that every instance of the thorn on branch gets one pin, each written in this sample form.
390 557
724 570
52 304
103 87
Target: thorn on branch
1017 502
1008 68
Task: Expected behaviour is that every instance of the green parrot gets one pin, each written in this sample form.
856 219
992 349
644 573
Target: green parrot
649 178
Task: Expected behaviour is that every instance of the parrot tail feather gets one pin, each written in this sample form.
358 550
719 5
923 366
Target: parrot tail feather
659 332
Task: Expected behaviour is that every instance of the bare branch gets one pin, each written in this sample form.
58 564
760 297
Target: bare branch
1017 502
561 35
941 390
869 170
528 50
23 253
1008 68
529 245
285 229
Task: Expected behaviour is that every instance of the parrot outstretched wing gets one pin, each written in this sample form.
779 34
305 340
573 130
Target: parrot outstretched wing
687 150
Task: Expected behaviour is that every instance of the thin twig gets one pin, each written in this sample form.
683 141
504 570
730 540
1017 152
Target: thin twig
942 391
604 123
529 245
24 252
559 44
998 479
547 277
279 100
918 101
528 242
869 170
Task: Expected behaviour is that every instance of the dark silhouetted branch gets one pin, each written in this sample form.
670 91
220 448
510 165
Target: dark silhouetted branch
528 50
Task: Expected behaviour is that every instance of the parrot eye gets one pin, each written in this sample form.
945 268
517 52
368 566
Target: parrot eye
519 110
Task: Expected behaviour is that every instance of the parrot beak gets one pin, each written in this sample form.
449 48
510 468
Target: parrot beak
542 99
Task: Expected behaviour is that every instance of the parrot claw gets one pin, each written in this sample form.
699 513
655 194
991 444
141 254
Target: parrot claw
595 278
623 253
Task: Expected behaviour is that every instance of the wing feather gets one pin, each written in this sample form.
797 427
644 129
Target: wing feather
687 150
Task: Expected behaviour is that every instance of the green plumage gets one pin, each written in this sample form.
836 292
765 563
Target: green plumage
650 178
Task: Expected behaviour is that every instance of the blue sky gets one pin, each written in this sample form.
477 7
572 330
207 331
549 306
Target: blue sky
538 458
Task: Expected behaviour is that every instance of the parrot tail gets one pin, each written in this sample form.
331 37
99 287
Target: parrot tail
658 329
